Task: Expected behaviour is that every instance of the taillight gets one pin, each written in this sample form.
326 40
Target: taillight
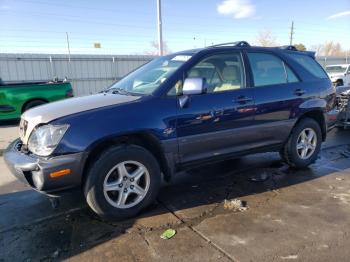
70 93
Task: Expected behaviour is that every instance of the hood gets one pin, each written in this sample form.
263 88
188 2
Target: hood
46 113
343 90
332 75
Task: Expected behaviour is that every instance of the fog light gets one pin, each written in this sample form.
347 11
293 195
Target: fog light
38 180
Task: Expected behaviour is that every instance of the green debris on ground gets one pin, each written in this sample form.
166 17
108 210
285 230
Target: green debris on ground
169 233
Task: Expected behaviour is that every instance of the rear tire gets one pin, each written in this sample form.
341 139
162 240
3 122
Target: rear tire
33 104
113 189
304 144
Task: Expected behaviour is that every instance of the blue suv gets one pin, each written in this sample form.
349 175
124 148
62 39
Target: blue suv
176 112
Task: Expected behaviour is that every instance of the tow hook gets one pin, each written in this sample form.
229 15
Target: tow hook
55 202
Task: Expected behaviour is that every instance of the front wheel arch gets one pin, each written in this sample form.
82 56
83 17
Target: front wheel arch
142 139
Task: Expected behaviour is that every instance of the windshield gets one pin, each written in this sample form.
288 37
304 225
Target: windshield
149 77
336 69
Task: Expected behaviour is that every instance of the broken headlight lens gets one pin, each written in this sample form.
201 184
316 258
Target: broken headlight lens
44 139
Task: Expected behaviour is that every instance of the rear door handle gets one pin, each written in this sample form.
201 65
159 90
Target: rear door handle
299 92
243 99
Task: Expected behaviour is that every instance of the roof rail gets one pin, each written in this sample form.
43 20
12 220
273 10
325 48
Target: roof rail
288 47
293 48
238 44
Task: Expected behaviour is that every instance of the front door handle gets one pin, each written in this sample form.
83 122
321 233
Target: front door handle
243 99
299 92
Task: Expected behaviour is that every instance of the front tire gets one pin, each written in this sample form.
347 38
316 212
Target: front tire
122 182
304 144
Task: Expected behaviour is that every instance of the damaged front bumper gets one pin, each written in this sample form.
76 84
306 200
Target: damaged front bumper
37 171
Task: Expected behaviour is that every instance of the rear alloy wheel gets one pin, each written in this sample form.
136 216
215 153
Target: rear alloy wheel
122 181
304 144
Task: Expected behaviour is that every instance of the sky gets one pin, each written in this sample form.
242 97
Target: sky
129 27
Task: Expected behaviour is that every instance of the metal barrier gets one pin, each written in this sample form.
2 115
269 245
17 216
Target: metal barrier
88 73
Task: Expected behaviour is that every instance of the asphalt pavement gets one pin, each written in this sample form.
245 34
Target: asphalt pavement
299 215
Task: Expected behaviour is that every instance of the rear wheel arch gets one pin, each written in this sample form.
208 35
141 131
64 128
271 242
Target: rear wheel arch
318 116
144 139
31 101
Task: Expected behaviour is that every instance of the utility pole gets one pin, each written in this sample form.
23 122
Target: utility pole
160 33
291 34
68 46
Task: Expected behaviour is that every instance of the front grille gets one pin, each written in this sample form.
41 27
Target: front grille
18 146
23 126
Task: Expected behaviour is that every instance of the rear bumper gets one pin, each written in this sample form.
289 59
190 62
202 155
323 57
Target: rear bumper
35 171
331 118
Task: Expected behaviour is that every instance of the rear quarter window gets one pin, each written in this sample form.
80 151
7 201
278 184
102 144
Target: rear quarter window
309 64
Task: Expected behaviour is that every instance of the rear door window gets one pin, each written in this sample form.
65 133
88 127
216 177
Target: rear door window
269 69
309 64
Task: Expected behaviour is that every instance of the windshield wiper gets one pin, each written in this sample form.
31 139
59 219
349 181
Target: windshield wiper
117 90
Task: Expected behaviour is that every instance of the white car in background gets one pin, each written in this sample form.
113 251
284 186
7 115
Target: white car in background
339 74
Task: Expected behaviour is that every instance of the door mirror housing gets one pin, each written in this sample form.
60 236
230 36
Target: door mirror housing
193 86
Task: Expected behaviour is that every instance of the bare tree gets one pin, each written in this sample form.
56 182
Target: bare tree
265 38
329 48
154 49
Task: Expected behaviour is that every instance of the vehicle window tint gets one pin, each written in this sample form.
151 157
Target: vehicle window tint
222 72
309 64
267 69
291 77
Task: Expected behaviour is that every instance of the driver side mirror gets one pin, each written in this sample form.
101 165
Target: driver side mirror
193 86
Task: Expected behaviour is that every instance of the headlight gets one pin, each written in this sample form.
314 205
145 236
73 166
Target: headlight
44 139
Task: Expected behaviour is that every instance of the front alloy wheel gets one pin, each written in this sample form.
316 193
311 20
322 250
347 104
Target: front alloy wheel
122 181
126 184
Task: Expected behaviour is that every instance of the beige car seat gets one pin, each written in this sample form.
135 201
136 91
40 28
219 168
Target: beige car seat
231 79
